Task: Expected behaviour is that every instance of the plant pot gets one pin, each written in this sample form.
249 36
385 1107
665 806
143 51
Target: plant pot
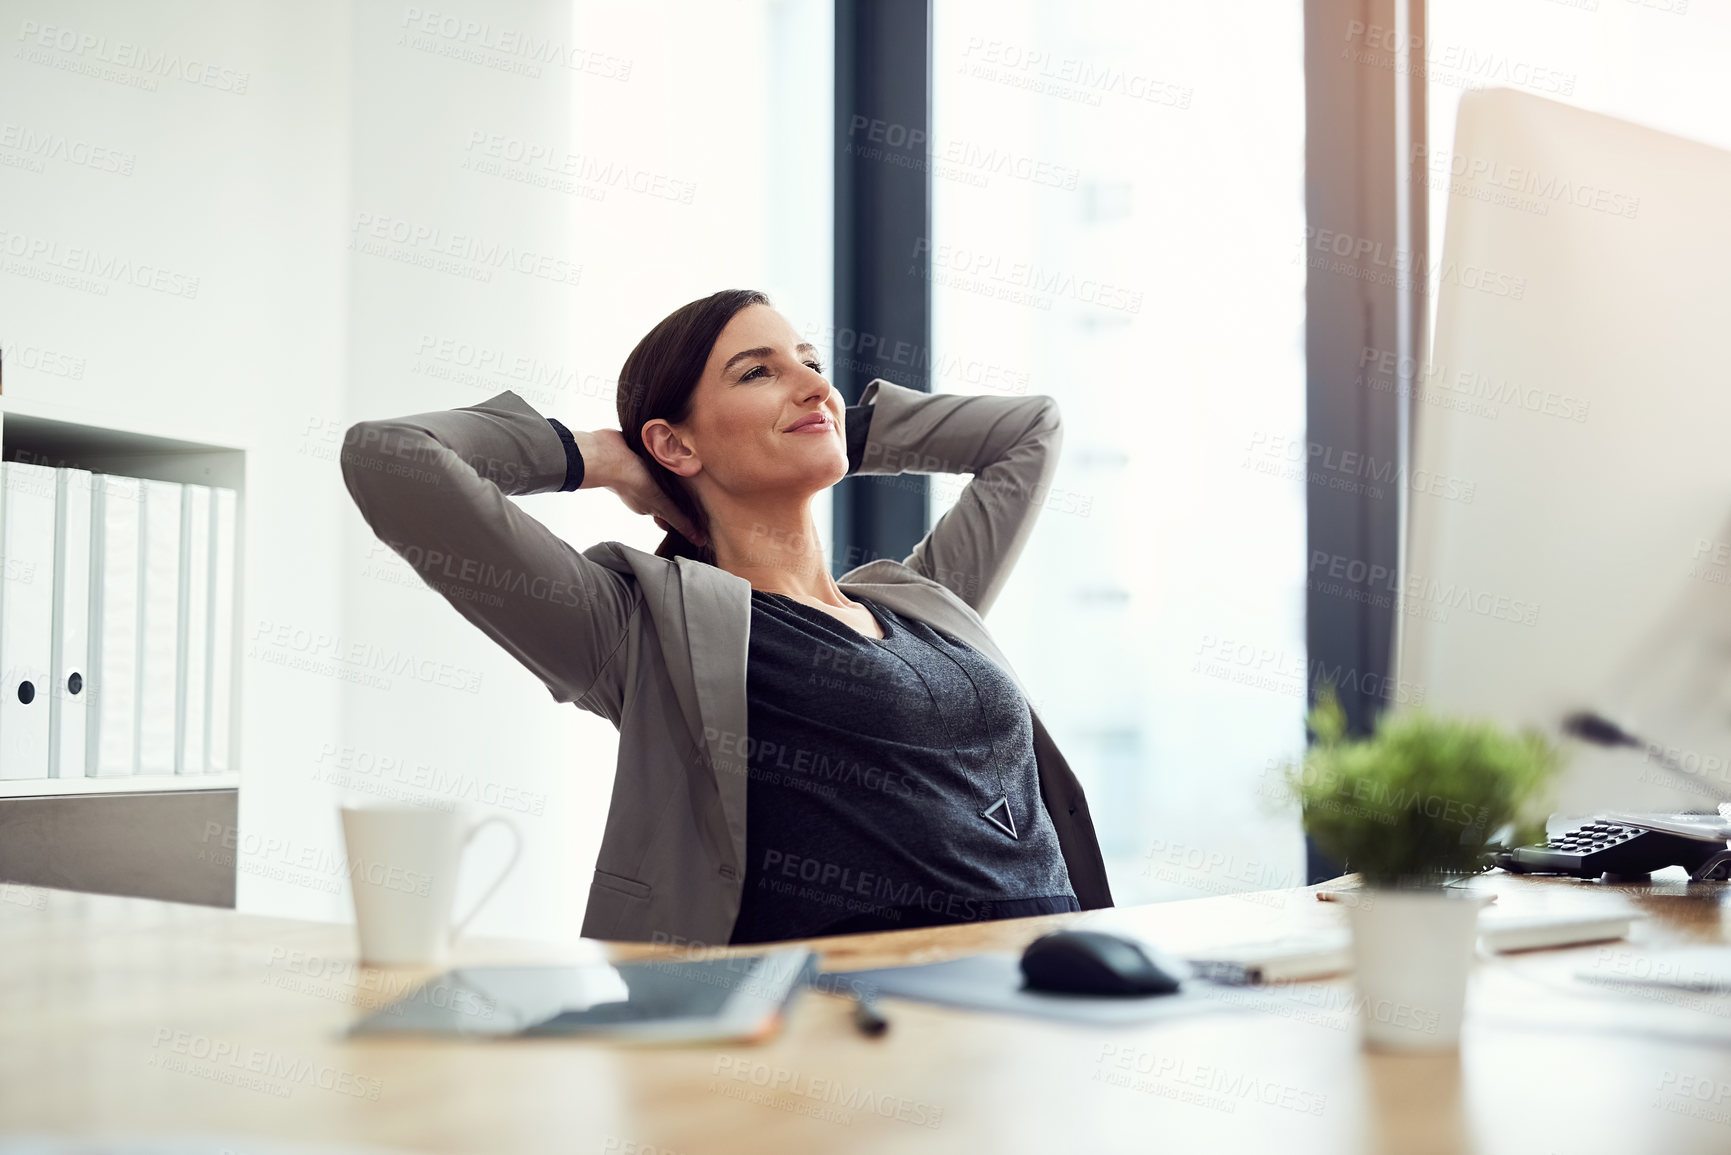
1412 951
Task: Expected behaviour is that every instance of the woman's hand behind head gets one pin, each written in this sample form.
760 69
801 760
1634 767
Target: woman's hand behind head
609 463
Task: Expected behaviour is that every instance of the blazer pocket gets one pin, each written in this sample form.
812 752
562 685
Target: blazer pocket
618 882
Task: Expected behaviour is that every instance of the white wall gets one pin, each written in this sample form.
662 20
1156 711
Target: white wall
1120 235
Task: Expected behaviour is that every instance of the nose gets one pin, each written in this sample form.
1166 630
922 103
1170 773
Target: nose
812 386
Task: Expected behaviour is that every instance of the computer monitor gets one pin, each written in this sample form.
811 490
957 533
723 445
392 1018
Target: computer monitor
1569 528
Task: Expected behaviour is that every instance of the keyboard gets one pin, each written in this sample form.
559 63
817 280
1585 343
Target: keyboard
1609 848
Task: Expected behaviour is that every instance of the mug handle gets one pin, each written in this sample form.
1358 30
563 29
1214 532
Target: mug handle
516 853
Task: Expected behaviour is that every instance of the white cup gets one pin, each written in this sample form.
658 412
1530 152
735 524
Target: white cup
403 863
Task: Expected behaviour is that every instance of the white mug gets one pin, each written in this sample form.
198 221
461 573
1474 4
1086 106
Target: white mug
403 863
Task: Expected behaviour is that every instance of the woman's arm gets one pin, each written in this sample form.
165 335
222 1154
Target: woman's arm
1009 444
435 487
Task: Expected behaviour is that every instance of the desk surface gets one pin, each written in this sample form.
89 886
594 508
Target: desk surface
126 1015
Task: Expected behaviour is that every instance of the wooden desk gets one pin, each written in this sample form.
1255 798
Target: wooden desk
126 1015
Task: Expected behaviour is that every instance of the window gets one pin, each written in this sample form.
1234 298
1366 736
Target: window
1117 222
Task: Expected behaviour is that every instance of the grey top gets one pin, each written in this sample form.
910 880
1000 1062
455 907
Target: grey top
870 763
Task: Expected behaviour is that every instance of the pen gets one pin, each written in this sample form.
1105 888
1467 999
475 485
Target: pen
867 1017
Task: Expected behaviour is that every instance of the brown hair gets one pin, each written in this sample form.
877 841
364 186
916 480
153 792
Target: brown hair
659 380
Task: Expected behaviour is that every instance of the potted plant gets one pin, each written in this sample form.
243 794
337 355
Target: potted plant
1421 799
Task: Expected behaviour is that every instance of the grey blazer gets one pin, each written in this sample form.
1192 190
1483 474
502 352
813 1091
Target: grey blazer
658 647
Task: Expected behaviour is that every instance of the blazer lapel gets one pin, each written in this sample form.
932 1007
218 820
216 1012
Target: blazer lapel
717 608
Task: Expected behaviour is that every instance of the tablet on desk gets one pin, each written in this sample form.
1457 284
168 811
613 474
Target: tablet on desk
736 998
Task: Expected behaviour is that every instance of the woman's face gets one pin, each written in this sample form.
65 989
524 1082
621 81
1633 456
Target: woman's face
761 379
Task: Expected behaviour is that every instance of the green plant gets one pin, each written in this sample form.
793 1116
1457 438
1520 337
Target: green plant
1423 796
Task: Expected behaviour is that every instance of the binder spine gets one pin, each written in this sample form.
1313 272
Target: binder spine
110 714
70 675
160 632
27 495
225 561
192 731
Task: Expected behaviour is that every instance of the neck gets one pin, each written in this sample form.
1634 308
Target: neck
774 546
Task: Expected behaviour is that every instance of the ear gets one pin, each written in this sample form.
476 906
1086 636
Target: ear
667 446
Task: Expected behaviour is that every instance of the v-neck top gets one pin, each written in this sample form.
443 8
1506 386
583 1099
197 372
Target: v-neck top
869 764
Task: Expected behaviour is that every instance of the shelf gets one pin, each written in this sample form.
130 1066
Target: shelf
50 441
137 784
70 429
155 448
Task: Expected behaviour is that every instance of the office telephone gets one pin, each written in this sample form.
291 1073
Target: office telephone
1630 846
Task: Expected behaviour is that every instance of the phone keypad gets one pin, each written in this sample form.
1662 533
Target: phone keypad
1594 836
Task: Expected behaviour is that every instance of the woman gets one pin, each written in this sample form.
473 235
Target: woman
799 755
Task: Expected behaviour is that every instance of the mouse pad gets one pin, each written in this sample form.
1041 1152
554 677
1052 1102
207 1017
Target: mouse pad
993 982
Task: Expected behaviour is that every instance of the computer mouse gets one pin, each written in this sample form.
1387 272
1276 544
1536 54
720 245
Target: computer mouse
1088 962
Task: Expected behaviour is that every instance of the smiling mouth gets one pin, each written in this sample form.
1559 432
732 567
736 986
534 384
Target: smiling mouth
819 425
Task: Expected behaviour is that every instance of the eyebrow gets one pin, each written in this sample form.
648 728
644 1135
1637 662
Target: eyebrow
762 351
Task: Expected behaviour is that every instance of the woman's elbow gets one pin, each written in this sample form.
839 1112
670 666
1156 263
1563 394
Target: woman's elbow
360 442
368 463
1052 419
